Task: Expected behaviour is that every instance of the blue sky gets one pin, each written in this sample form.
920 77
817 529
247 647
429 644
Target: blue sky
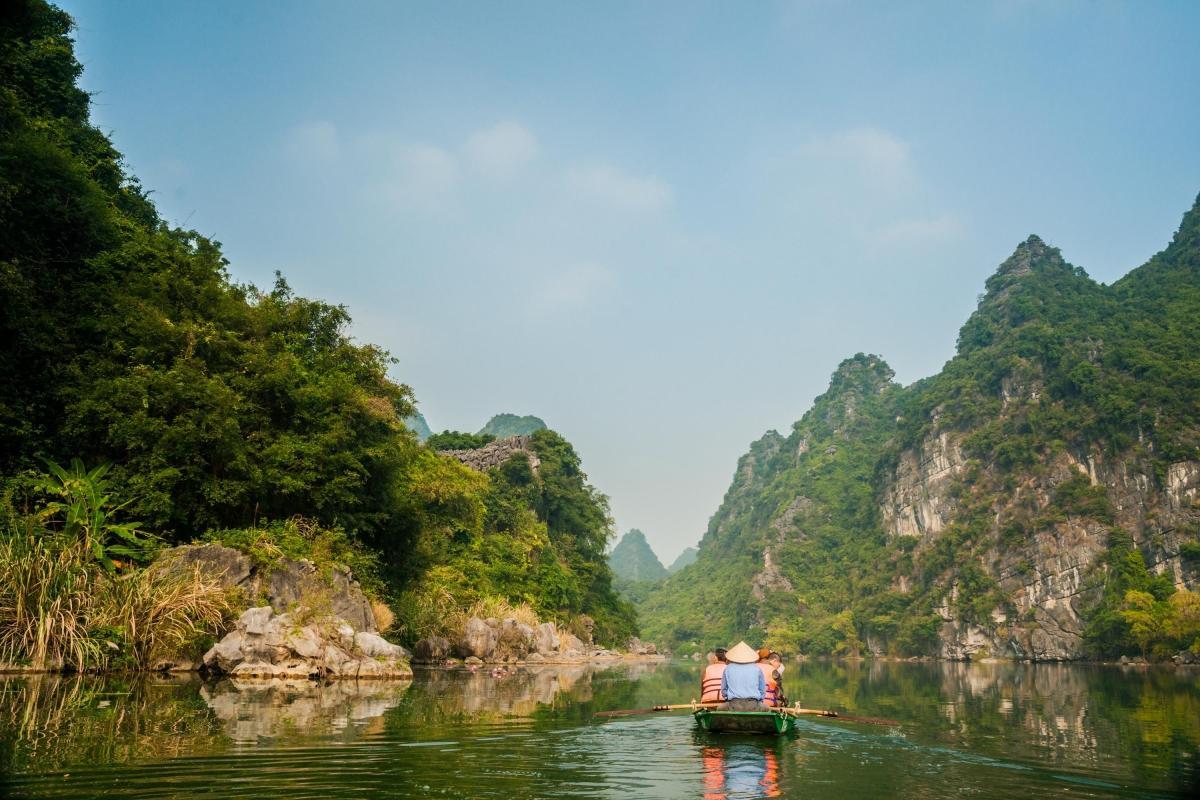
659 226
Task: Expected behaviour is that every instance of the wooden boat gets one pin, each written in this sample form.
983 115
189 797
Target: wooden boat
773 722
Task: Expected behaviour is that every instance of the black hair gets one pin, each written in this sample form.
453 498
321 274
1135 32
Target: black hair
720 653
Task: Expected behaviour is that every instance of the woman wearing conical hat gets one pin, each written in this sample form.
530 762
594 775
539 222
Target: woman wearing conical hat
743 685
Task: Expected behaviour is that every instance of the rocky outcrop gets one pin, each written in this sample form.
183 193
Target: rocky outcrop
296 645
1043 568
511 641
493 454
918 501
285 584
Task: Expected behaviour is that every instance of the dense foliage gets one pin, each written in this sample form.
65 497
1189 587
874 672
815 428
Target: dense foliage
223 407
503 426
457 440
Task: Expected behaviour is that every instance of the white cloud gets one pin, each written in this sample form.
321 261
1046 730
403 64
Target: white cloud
425 175
572 288
501 150
876 153
313 142
918 232
612 186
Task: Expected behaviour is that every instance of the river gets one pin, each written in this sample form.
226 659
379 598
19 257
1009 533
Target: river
970 730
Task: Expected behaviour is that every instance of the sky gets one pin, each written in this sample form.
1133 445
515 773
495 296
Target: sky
658 226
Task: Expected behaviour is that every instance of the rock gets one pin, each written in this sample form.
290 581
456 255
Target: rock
472 661
478 639
547 638
375 646
515 639
492 622
1186 657
1123 660
639 648
254 620
569 642
535 658
266 645
229 566
588 624
431 650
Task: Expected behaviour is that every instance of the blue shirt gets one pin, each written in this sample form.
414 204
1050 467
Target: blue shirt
743 682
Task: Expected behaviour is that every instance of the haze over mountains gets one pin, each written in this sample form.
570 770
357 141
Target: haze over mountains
1014 504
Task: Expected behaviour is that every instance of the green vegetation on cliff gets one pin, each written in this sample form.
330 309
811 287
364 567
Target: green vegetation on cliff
503 426
223 407
1053 372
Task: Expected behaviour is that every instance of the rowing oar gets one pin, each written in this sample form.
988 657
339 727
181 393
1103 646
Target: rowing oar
628 712
815 712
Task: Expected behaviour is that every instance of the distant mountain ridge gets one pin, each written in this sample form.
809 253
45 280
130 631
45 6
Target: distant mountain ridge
503 426
634 560
686 558
1029 501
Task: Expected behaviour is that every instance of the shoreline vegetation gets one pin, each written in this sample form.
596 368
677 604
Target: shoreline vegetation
196 409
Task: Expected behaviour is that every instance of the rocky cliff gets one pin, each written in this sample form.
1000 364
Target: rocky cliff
1002 507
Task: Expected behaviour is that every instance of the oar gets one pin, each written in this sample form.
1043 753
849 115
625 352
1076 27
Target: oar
814 712
628 712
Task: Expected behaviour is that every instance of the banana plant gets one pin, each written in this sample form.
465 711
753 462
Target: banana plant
84 510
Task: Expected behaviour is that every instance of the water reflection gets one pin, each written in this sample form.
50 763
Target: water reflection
982 729
254 711
738 770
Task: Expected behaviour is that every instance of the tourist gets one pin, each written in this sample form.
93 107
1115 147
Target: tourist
710 681
770 677
776 661
742 683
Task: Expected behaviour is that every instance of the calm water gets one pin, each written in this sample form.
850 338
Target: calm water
970 731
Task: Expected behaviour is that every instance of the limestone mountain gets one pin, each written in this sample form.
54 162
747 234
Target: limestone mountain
1007 505
688 556
416 423
503 426
634 560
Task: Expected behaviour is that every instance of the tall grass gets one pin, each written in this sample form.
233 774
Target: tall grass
66 603
47 601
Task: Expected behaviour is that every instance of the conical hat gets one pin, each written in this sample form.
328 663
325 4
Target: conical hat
742 653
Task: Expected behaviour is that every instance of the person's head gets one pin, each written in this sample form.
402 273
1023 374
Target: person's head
720 654
774 658
712 657
763 653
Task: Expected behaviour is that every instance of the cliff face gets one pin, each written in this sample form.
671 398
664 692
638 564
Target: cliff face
988 510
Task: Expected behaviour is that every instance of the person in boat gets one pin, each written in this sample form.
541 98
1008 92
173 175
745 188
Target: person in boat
771 678
742 683
710 681
776 661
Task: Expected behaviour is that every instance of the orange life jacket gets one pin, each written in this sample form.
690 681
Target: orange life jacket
771 698
710 683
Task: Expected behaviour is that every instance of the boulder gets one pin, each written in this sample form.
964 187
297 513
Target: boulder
229 566
515 639
431 650
478 639
472 661
375 646
294 582
547 638
266 645
639 648
570 644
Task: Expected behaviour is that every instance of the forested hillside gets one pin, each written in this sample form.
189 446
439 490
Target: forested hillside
1037 498
226 410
